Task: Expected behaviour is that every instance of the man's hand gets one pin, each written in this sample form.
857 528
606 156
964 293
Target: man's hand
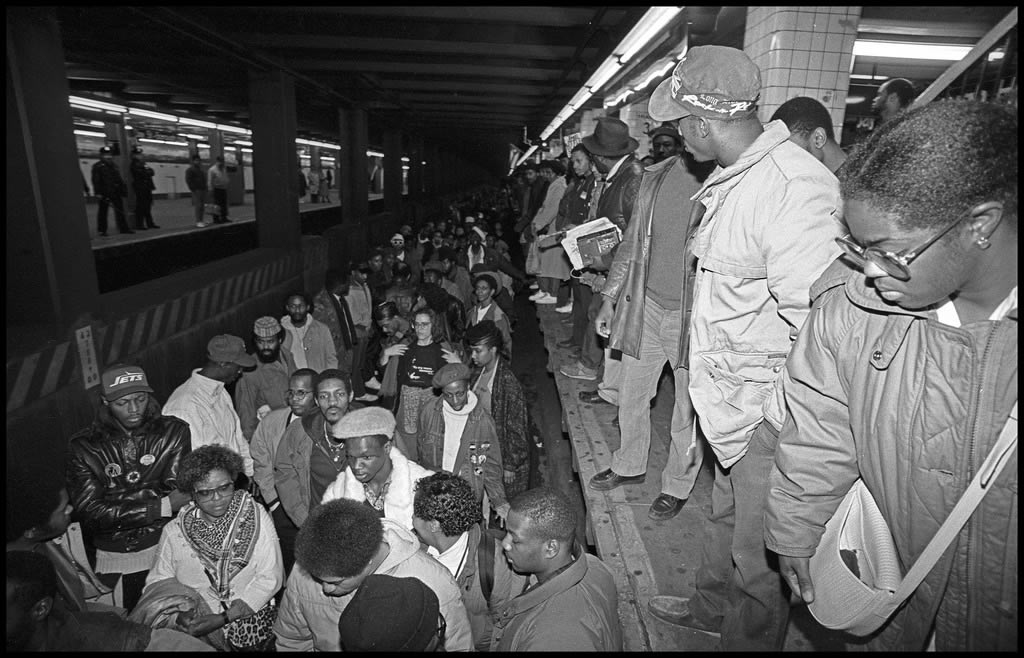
450 356
502 511
178 499
797 573
395 350
510 477
603 321
205 625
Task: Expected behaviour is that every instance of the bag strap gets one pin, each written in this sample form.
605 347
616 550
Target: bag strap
485 563
976 490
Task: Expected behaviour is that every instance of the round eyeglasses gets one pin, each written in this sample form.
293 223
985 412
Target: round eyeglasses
895 264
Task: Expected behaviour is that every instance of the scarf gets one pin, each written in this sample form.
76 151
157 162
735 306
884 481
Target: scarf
225 546
454 425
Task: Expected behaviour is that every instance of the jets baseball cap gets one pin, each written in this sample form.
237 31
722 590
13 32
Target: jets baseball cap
714 82
119 381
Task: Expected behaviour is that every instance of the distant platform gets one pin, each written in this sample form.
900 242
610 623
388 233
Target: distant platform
648 557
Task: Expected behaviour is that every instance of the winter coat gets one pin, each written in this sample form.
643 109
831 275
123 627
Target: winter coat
195 179
291 465
506 585
767 234
117 513
107 180
512 420
265 442
912 406
317 343
627 277
307 619
576 610
398 501
142 177
479 457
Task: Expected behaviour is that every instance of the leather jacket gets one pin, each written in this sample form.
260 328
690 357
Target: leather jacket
617 200
115 492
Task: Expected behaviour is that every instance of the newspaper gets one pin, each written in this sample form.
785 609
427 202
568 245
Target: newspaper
570 245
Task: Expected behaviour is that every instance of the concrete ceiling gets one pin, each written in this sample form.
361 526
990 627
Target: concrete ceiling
471 77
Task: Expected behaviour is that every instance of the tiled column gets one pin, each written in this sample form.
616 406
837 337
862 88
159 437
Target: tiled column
802 51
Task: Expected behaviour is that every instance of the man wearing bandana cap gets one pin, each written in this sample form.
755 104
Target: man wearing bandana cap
770 214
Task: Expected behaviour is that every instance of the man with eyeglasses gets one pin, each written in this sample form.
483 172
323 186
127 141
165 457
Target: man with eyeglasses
265 441
770 217
312 453
263 389
122 478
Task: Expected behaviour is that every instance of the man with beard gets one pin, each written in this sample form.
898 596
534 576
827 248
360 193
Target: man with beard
312 453
307 341
262 390
265 442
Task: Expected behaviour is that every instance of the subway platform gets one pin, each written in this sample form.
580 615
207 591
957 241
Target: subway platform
648 557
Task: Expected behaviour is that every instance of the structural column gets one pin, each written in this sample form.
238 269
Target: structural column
353 178
802 51
392 170
275 167
51 271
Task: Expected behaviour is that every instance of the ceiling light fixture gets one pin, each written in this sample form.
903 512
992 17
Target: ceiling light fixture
96 105
904 50
152 115
242 142
374 154
650 25
89 133
163 141
197 122
232 129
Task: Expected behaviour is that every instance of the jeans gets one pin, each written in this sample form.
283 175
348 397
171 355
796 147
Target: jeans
611 378
591 352
659 342
738 582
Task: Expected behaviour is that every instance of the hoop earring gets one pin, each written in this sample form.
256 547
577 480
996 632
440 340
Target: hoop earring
983 243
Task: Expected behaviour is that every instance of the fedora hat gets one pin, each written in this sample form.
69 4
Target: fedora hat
611 139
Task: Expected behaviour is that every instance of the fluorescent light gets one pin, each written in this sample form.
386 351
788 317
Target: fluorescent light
232 129
903 50
424 163
860 76
129 128
89 133
526 155
242 142
152 115
323 158
191 136
197 122
405 159
246 150
405 167
310 142
374 154
162 141
98 124
603 74
96 105
649 25
853 100
996 55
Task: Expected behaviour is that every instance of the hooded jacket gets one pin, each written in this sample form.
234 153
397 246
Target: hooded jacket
115 492
398 501
911 406
767 235
308 619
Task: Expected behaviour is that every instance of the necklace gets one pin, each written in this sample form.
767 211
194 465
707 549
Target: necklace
334 450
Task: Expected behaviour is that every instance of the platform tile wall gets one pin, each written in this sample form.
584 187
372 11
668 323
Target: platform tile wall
802 51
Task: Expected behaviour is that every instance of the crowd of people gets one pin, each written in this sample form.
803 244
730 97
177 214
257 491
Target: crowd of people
372 484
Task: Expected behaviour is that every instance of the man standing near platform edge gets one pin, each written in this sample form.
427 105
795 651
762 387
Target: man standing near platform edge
771 214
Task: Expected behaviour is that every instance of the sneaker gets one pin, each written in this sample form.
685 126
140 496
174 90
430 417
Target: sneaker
546 299
202 224
537 295
578 371
675 610
373 383
565 308
366 397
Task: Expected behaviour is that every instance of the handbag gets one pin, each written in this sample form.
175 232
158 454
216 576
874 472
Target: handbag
855 569
533 258
253 633
212 209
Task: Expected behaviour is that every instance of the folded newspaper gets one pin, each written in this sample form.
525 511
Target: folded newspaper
588 243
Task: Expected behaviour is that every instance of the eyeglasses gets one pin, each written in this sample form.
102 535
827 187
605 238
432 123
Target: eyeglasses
896 265
221 492
298 393
423 324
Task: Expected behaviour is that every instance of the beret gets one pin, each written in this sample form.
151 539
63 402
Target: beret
451 372
390 614
366 422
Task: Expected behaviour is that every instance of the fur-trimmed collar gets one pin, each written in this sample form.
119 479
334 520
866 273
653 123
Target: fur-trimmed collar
398 501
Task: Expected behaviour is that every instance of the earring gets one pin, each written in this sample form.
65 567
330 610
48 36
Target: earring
983 243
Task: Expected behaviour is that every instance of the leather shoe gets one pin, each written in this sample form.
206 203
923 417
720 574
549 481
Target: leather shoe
608 479
675 610
665 507
568 343
591 397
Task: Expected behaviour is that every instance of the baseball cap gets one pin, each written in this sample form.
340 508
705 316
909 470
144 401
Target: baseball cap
229 349
714 82
667 131
119 381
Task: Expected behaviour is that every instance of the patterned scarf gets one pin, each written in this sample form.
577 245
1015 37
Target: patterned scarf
225 546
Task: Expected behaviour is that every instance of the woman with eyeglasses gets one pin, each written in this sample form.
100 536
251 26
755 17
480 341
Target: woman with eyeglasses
223 546
905 373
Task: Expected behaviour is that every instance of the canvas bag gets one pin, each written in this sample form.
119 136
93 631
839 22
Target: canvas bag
855 570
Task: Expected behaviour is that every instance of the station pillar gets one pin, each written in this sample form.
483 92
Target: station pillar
392 170
353 180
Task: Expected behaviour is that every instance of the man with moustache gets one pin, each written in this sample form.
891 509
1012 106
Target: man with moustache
263 389
312 453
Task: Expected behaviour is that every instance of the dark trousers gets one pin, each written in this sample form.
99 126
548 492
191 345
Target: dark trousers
132 585
220 197
144 209
591 351
286 532
101 216
738 583
581 296
358 353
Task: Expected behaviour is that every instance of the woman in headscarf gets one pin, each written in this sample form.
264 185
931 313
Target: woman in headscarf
222 545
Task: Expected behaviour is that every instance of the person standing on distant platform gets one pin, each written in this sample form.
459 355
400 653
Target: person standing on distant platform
196 181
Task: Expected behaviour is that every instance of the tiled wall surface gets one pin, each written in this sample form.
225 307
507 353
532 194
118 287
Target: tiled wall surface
802 51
